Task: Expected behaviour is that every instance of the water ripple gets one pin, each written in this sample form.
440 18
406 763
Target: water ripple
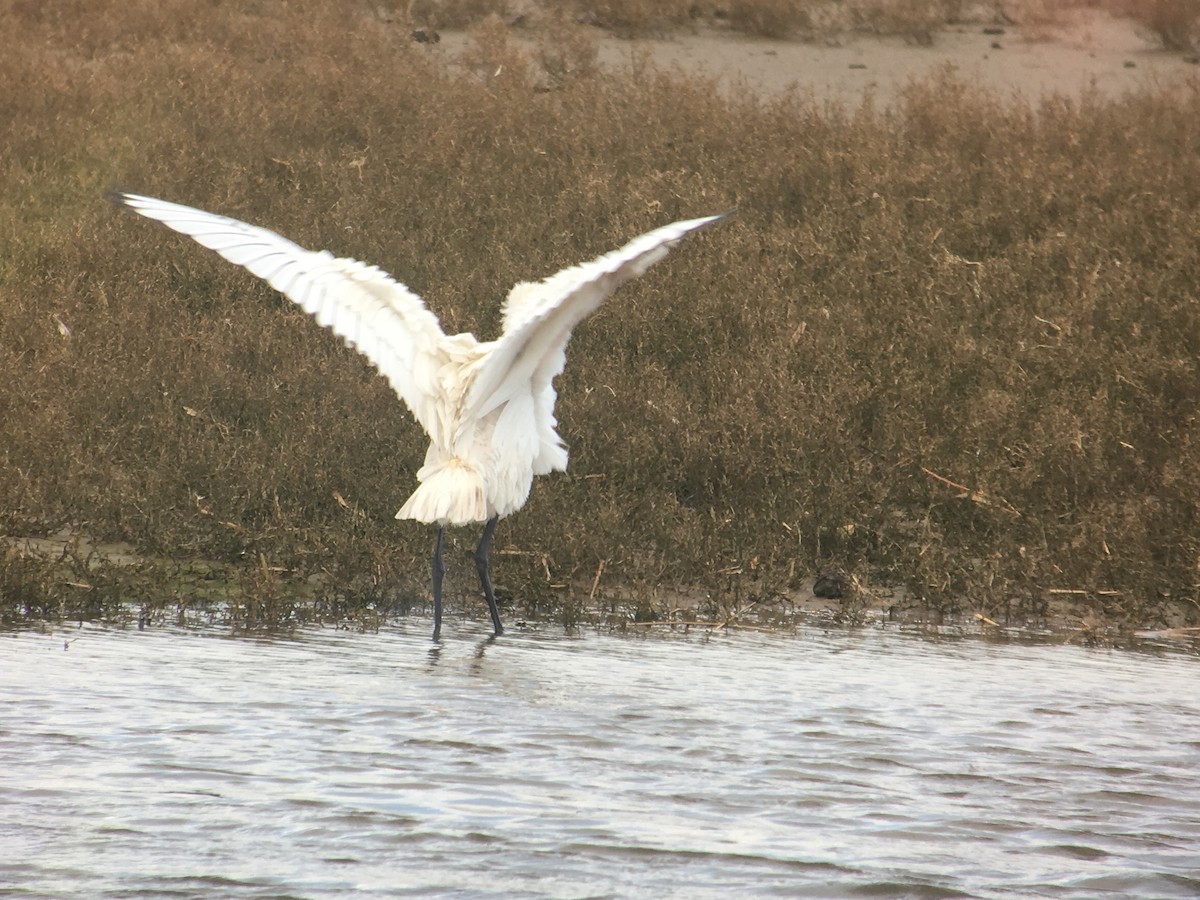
864 764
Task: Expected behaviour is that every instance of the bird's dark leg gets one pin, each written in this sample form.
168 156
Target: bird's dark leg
481 564
439 570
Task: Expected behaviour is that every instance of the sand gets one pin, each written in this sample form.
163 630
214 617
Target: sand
1087 49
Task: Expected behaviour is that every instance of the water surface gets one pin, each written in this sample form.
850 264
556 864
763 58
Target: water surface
335 764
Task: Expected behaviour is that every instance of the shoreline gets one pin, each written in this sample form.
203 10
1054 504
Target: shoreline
202 593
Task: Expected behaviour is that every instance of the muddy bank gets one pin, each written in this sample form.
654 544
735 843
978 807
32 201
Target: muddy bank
68 577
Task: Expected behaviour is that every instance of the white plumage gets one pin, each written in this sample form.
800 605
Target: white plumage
488 407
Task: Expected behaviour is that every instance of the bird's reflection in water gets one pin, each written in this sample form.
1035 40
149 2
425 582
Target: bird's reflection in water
476 666
435 655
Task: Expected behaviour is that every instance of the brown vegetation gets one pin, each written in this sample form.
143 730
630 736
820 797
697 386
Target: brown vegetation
953 345
1175 22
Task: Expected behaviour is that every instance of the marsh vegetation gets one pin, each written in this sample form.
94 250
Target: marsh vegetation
951 344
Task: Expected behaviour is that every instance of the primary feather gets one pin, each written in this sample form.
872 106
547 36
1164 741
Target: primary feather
488 408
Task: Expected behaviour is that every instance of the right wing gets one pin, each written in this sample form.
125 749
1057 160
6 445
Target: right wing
376 315
539 318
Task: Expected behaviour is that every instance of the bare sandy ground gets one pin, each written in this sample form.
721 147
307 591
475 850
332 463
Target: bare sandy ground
1084 50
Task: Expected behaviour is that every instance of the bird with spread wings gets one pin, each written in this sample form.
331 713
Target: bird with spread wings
487 406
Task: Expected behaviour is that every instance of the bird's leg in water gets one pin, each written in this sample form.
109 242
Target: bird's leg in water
481 564
439 570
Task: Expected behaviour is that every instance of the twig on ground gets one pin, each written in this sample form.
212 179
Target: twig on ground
596 580
975 496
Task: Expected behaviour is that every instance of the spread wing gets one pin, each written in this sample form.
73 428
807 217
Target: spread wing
539 318
376 315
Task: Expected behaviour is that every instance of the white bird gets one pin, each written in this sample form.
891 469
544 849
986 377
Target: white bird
488 407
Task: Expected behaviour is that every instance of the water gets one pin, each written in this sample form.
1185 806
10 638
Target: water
336 765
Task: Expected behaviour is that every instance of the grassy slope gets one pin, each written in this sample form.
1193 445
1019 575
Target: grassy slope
1004 297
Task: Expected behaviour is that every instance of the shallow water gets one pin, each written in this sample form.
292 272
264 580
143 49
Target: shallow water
168 763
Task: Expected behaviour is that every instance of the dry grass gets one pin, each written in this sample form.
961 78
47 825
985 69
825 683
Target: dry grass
956 291
1176 23
772 18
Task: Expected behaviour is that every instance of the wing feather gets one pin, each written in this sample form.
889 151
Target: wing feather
539 318
369 310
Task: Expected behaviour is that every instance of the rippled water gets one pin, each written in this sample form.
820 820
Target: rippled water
167 763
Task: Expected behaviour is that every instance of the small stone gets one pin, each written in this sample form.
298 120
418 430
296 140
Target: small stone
830 586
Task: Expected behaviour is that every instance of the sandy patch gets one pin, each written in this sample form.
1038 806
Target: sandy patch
1089 50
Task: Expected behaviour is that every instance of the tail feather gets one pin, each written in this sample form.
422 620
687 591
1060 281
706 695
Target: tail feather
450 493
